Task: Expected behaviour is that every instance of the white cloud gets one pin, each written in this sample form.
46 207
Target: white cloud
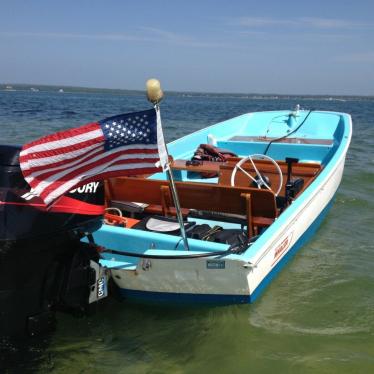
333 23
310 22
77 36
144 34
263 22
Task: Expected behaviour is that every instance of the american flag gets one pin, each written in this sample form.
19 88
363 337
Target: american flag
126 144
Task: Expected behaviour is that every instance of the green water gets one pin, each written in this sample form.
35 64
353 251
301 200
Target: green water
317 316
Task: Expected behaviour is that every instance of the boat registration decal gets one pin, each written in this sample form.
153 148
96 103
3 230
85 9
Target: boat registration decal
215 264
102 289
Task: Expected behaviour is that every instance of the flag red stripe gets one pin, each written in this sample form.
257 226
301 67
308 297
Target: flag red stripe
146 170
77 172
104 159
119 173
61 150
69 163
35 169
63 135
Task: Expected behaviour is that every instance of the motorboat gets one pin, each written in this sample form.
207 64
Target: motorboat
252 191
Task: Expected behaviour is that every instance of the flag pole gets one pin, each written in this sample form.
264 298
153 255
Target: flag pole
155 95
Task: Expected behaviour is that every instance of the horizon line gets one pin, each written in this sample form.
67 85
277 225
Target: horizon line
182 91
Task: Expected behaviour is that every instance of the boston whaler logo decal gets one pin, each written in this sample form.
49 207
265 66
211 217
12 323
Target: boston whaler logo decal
282 247
87 188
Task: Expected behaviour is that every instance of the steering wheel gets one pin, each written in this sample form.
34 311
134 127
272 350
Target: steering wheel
258 179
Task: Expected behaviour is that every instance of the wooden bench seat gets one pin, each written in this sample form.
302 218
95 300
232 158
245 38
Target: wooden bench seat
257 206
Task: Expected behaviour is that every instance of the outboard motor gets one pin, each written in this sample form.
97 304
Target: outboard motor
44 266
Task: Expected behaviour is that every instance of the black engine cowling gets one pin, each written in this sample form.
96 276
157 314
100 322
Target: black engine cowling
38 249
79 210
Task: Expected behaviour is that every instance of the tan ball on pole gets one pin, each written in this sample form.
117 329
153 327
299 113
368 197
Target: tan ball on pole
154 92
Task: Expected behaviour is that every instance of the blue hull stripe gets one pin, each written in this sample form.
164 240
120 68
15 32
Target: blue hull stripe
189 298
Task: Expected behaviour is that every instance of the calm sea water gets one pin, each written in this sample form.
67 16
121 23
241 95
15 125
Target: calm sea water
317 316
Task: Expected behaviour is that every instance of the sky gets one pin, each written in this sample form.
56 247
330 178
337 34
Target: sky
238 46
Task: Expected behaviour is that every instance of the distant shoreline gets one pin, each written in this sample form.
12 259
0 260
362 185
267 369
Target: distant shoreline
254 95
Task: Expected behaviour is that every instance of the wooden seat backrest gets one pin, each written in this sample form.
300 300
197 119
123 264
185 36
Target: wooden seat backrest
200 196
299 170
213 197
140 190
